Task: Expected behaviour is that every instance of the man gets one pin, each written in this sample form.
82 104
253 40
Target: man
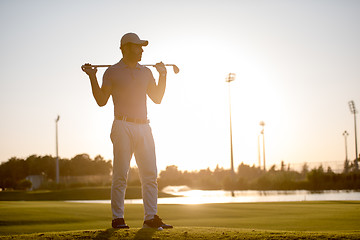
128 83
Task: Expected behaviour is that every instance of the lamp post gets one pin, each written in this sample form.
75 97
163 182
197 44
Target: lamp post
346 165
353 111
229 79
262 123
57 150
259 155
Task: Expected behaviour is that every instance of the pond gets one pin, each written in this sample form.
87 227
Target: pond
184 195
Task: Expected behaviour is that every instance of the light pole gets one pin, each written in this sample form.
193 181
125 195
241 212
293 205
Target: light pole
353 111
346 165
259 155
57 150
229 79
262 123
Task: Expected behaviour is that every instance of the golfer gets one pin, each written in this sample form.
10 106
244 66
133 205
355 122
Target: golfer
128 83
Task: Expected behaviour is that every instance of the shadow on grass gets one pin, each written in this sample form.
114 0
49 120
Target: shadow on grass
105 235
145 234
142 234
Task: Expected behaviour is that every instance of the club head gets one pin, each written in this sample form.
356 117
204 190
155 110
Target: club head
176 69
85 66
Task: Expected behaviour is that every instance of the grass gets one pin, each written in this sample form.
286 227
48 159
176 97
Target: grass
184 233
289 220
89 193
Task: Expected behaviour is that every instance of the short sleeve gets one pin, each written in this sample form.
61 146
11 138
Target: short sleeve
107 78
150 75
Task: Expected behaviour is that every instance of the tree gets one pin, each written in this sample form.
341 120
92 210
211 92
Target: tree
23 185
272 168
248 173
304 169
282 168
101 166
12 171
38 165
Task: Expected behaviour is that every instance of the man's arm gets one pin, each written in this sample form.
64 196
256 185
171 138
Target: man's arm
156 92
102 94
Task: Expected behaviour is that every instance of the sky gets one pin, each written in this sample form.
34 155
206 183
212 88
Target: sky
296 65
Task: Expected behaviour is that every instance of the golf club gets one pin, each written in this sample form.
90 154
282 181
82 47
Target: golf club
88 65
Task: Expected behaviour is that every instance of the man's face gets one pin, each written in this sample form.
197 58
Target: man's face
135 52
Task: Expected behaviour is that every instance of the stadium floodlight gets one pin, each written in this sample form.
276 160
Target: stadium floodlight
57 150
262 123
346 165
229 79
354 111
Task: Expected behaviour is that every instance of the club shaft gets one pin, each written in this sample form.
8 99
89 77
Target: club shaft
88 65
98 66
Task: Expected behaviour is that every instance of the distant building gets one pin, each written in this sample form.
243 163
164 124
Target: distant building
36 180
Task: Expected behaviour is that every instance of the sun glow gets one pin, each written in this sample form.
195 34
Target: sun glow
296 74
191 125
194 115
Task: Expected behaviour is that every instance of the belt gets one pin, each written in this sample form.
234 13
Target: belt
133 120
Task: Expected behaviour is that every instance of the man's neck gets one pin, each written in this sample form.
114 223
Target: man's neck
129 62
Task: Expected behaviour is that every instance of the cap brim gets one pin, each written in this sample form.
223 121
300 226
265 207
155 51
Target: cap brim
143 43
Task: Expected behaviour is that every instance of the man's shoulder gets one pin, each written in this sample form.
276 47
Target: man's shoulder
116 66
143 68
113 68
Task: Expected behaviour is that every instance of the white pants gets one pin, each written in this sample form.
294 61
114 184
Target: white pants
128 139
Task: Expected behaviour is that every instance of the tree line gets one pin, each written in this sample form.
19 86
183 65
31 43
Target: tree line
253 178
13 175
14 172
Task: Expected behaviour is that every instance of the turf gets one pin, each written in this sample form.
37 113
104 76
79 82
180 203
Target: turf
185 233
287 220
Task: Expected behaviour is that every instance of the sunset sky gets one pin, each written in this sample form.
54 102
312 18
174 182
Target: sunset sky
297 65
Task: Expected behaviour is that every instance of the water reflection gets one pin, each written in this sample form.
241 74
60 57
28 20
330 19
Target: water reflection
188 196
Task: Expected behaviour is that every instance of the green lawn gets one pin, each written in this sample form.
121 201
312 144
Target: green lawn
185 233
251 219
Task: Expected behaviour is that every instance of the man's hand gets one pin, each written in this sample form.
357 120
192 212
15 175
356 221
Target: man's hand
160 67
156 92
101 95
90 71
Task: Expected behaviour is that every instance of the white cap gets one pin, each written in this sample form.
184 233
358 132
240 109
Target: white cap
132 38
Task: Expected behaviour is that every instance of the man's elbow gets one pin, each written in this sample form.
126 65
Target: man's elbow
101 103
158 100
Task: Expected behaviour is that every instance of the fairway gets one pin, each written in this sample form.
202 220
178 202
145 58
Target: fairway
55 216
